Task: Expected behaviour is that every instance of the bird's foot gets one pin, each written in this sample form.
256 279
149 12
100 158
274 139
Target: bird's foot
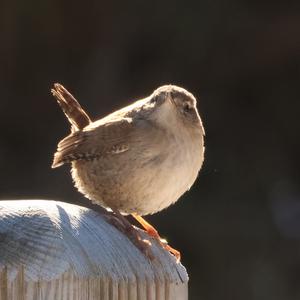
154 233
136 237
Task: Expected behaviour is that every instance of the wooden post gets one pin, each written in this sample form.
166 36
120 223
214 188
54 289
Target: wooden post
58 251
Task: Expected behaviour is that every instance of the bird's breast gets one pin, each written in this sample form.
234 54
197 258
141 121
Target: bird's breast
173 171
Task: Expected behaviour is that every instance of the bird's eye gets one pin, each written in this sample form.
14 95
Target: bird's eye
187 107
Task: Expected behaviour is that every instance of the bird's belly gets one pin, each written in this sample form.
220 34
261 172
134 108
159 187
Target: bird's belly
145 189
171 180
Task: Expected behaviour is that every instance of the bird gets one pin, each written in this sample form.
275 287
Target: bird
137 160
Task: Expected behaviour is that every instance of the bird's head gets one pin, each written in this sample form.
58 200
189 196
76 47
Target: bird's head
174 106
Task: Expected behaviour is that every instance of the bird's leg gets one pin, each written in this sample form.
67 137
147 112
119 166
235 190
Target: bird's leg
123 225
115 218
154 233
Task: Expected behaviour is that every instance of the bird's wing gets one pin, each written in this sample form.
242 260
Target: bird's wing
109 138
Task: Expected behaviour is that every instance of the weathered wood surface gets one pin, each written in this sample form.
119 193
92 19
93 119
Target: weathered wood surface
55 250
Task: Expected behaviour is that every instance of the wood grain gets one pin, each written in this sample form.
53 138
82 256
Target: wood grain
55 250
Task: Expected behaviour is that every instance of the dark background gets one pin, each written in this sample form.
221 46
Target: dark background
239 227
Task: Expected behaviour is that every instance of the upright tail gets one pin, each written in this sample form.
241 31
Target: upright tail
70 106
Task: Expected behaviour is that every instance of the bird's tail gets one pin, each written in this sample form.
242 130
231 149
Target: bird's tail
70 106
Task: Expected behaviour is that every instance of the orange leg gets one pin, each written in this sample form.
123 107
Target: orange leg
153 232
122 224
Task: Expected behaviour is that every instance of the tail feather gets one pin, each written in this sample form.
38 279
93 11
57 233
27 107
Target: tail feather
71 108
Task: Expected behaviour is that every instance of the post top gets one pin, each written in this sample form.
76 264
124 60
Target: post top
48 238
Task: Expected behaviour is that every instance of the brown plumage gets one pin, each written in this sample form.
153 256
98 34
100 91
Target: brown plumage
139 159
70 106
